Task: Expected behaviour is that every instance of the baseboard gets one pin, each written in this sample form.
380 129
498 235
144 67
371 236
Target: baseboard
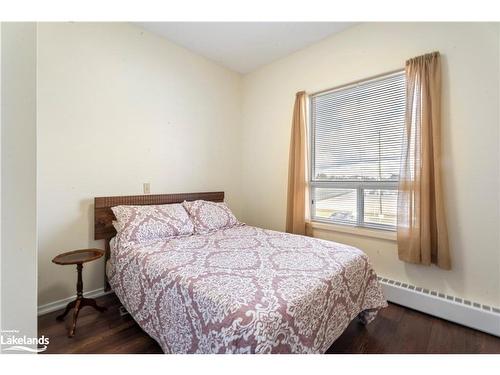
470 314
61 304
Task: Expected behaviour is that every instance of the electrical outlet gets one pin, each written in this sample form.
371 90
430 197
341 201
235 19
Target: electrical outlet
147 188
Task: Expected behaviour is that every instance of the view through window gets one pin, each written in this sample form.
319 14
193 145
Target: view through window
356 138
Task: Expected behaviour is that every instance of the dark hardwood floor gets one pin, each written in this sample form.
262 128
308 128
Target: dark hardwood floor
106 332
395 330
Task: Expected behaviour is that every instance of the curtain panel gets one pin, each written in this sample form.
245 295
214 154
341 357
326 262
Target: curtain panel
422 233
297 176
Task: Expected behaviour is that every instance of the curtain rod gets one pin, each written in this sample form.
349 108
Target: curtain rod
355 83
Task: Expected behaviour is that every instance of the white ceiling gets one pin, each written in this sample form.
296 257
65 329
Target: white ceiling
244 46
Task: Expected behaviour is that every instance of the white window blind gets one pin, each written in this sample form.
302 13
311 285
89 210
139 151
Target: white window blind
356 137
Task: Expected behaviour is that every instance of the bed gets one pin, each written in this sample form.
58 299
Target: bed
241 289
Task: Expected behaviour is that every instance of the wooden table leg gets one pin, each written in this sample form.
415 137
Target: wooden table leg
69 306
92 303
75 317
79 283
79 303
79 296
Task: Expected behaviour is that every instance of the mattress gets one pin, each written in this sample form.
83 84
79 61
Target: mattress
244 290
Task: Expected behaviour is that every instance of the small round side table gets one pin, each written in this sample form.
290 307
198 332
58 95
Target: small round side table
78 257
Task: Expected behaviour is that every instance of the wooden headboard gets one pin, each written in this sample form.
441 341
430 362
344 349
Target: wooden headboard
103 215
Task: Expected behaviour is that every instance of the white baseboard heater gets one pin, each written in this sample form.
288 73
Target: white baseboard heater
458 310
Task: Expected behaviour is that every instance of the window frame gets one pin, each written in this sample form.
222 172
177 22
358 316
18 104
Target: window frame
359 186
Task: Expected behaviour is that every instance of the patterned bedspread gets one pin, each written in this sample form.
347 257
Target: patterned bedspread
244 290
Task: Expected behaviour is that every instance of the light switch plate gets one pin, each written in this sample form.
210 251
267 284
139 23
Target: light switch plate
147 188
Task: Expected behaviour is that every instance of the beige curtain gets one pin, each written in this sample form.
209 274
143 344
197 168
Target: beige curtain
422 233
297 182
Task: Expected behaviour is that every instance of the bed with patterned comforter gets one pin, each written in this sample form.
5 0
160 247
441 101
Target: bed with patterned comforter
244 290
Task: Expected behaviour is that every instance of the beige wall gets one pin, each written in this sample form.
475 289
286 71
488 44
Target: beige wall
119 106
18 178
470 131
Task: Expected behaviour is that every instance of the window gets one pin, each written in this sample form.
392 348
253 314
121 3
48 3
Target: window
356 137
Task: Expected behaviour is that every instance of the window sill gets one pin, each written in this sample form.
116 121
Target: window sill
356 231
